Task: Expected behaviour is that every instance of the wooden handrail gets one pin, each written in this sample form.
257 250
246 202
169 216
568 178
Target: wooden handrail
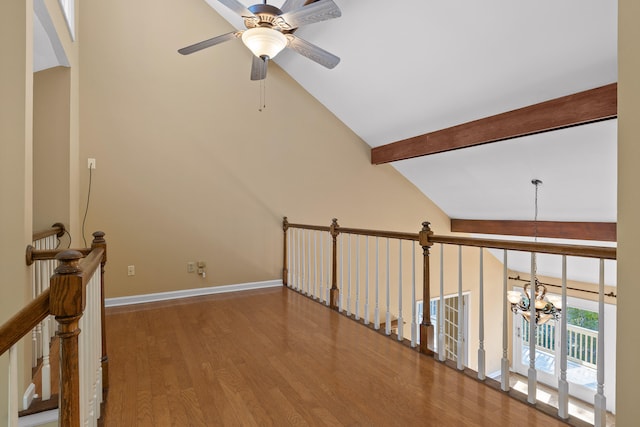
546 248
56 229
359 231
90 263
24 321
308 227
33 254
538 247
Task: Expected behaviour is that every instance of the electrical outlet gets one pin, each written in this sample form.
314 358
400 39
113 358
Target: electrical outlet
91 163
191 267
131 270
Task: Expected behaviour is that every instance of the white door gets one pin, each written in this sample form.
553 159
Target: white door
451 319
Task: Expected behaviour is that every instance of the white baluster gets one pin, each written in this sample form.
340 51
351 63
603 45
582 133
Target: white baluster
532 384
376 314
504 371
366 291
387 326
81 365
289 252
400 320
315 265
35 280
308 290
600 401
349 277
46 367
481 351
296 259
39 265
460 349
341 292
357 277
329 269
414 315
442 353
12 405
303 262
321 294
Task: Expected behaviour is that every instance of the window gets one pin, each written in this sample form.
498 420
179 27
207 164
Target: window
68 10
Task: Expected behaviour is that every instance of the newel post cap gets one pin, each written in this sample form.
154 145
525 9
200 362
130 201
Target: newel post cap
99 242
333 229
425 234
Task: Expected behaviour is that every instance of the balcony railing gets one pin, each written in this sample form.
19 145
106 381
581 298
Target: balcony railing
582 343
379 276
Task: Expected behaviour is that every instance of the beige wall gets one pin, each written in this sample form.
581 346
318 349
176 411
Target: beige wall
188 169
15 164
628 349
51 132
65 79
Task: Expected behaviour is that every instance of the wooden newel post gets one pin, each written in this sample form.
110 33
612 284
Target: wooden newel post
67 301
285 268
99 242
426 328
334 293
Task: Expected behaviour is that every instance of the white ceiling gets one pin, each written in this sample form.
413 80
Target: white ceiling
417 66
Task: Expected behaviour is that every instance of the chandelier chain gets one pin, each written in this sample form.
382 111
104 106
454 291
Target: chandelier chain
537 183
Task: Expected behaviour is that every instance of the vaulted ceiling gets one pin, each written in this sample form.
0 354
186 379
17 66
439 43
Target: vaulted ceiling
418 66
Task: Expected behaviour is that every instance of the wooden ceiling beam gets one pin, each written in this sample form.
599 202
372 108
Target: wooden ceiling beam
601 231
579 108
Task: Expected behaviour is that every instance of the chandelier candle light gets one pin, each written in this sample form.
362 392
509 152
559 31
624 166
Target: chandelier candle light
546 307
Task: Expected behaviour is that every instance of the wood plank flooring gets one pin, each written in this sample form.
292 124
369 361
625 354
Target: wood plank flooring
273 357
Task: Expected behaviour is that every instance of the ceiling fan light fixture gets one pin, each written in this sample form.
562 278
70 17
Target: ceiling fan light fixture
264 41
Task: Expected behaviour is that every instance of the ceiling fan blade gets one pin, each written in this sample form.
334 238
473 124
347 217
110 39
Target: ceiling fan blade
315 12
290 5
237 7
208 43
259 68
312 51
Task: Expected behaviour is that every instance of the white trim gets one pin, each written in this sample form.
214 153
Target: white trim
495 375
38 419
164 296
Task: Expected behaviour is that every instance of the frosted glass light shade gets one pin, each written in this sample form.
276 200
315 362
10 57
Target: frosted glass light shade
556 301
264 41
514 297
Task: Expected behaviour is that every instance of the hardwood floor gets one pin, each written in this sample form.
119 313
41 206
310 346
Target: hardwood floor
273 357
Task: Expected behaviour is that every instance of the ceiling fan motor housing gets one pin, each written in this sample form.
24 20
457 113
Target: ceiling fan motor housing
266 15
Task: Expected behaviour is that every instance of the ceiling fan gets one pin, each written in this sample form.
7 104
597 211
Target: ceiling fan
270 29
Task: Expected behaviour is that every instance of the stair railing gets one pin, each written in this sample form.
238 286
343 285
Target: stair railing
44 331
75 298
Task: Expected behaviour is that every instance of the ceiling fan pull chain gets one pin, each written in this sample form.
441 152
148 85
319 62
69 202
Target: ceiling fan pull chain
263 95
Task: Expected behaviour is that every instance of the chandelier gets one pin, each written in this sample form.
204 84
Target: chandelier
546 307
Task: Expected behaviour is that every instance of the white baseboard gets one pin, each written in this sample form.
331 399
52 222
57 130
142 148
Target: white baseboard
39 419
164 296
494 375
